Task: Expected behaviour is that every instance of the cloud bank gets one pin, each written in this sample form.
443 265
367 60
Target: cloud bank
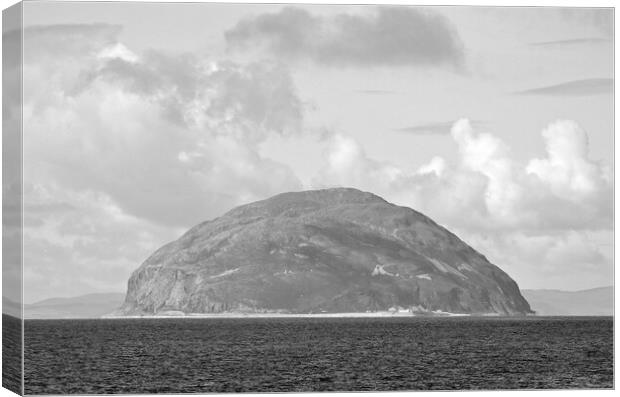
565 189
390 36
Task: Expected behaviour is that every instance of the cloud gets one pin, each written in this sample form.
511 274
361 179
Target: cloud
82 241
348 165
570 260
487 155
257 98
435 128
390 36
436 166
574 88
486 190
172 139
567 171
570 42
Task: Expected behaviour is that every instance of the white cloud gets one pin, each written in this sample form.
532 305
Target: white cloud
487 155
119 51
485 188
436 166
567 170
348 165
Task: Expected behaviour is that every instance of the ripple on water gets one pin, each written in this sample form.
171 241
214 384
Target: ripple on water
322 354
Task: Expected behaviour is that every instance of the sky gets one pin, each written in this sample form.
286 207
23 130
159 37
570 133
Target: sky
142 120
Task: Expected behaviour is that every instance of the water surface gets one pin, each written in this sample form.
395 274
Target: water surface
316 354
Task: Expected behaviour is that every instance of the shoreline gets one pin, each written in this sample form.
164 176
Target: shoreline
293 315
240 315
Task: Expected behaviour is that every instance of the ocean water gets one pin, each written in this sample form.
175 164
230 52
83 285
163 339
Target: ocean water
316 354
12 353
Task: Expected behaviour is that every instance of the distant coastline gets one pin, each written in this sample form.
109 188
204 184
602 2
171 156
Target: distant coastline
592 303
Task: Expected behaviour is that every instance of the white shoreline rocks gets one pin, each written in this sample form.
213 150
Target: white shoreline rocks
328 252
383 314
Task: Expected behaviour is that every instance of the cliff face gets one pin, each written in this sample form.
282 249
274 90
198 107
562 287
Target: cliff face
334 250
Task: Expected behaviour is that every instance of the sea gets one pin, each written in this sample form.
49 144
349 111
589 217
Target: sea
12 353
204 355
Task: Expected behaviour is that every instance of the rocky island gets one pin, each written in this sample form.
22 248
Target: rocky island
325 251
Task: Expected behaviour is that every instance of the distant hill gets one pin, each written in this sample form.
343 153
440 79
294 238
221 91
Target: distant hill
85 306
11 308
590 302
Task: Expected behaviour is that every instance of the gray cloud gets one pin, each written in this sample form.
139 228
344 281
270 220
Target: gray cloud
436 128
262 93
570 42
574 88
391 36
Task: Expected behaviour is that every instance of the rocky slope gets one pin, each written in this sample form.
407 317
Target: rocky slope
333 250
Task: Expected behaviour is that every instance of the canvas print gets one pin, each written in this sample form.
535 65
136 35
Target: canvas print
227 197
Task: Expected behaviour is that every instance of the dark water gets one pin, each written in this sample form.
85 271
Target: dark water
12 353
233 355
